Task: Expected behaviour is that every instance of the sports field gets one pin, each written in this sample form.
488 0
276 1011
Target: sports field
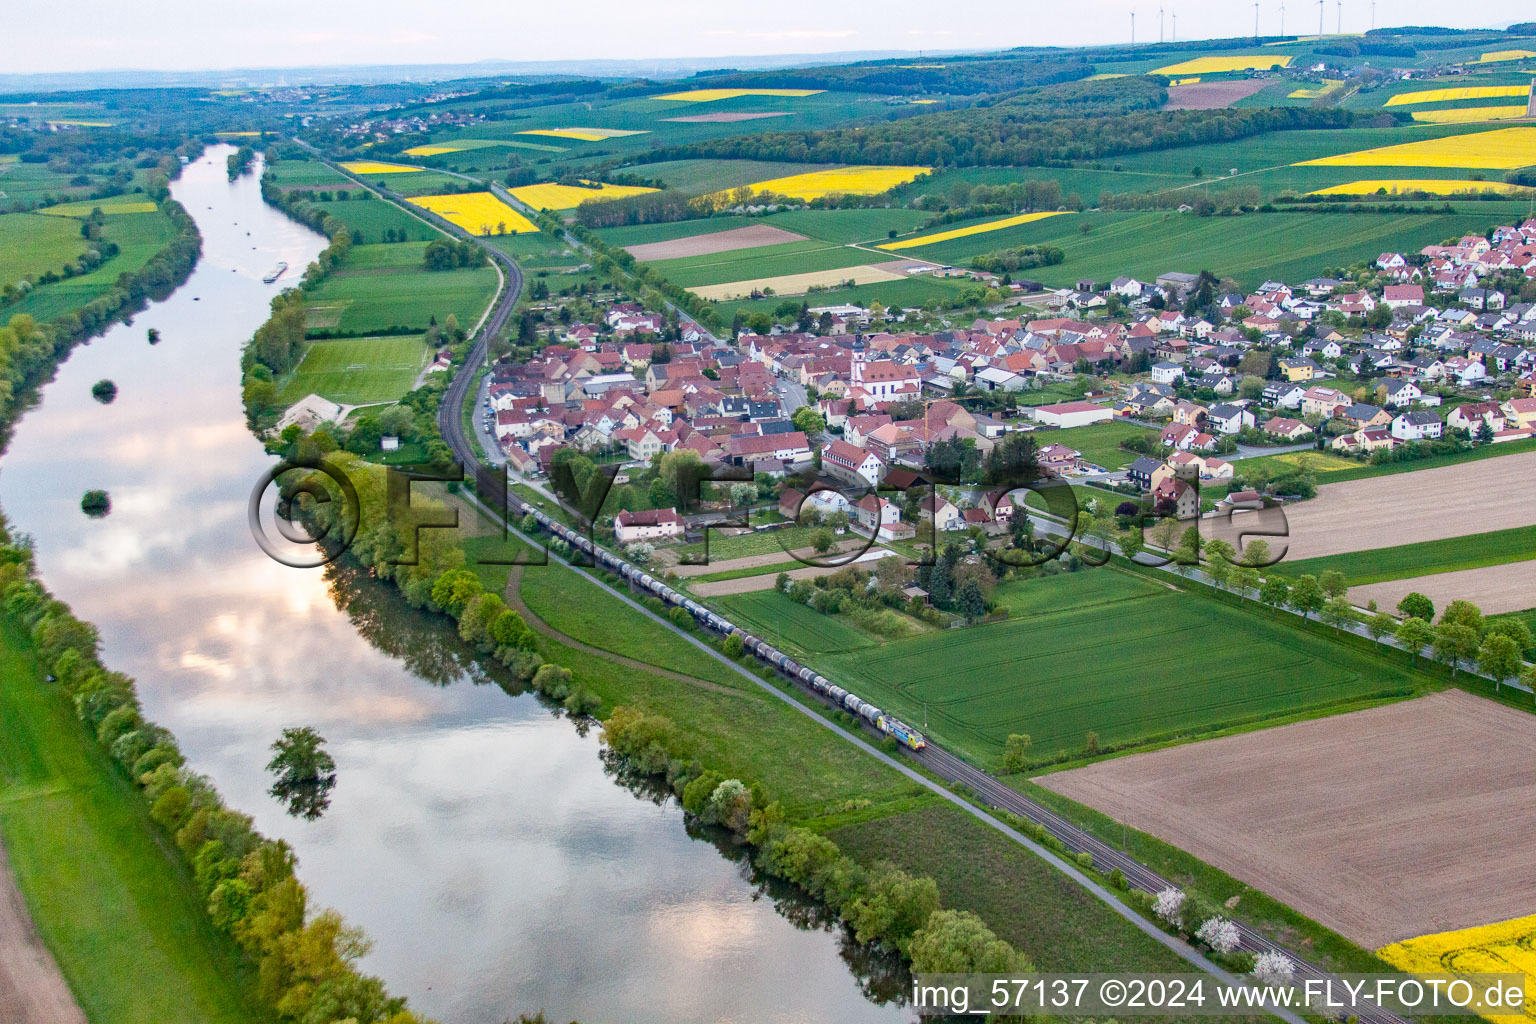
1112 653
356 371
1411 818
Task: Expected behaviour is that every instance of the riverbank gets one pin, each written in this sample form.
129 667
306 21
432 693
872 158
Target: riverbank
110 898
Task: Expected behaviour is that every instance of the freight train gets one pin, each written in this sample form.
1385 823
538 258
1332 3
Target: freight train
756 646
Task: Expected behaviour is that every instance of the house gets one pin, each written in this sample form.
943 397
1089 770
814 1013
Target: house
1178 497
1072 414
874 512
1398 393
852 463
1520 412
652 524
1286 429
1140 472
790 447
945 518
1284 396
1229 419
1166 373
1297 369
1363 415
1473 415
1058 458
1417 426
1324 402
1396 296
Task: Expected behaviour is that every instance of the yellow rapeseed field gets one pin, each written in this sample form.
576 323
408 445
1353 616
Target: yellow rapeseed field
550 196
1501 149
1465 92
1433 186
710 95
85 124
378 167
479 213
1465 115
583 134
1185 81
1221 65
859 180
236 135
437 150
1505 948
974 229
1498 56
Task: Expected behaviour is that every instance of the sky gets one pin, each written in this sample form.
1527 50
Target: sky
174 35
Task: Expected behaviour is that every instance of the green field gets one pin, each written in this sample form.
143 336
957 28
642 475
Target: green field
384 287
1099 442
1451 554
306 172
373 216
109 894
1129 659
793 627
32 243
356 371
139 236
535 251
913 292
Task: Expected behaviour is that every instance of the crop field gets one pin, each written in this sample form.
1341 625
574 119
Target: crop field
1434 186
858 180
907 292
1213 95
761 262
1467 115
454 146
378 300
356 371
550 196
713 175
1425 505
780 621
1452 554
32 244
305 173
1496 589
479 213
374 216
711 95
1508 947
138 236
1225 65
1469 92
1501 149
379 167
581 134
1128 660
1316 92
964 232
730 240
1378 838
1500 56
797 284
110 207
727 116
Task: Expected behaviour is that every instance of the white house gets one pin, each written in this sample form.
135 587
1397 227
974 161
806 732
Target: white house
1166 373
1417 426
653 524
852 463
1229 419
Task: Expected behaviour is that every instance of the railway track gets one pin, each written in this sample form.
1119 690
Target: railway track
491 486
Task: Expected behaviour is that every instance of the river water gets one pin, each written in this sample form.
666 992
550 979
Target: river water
474 835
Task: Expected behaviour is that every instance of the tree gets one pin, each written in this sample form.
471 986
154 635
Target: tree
1516 630
1334 583
959 942
1306 595
1528 677
1463 613
1500 658
1338 612
972 605
1016 753
1245 580
808 420
1454 643
743 494
821 540
683 471
1414 633
1416 606
1256 554
305 772
1379 625
1276 592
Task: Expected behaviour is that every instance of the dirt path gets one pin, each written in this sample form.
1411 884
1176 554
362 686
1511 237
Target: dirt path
32 991
514 599
766 581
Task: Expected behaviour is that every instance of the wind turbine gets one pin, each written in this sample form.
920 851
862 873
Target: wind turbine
1373 15
1282 18
1320 4
1255 22
1159 24
1133 28
1340 29
1175 26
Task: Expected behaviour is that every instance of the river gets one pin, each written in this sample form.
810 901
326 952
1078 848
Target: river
474 835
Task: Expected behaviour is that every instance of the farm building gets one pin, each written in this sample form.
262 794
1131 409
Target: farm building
1072 414
652 524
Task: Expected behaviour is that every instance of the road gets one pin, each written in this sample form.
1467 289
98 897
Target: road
490 494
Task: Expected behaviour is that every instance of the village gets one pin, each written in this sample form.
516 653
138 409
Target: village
1433 346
